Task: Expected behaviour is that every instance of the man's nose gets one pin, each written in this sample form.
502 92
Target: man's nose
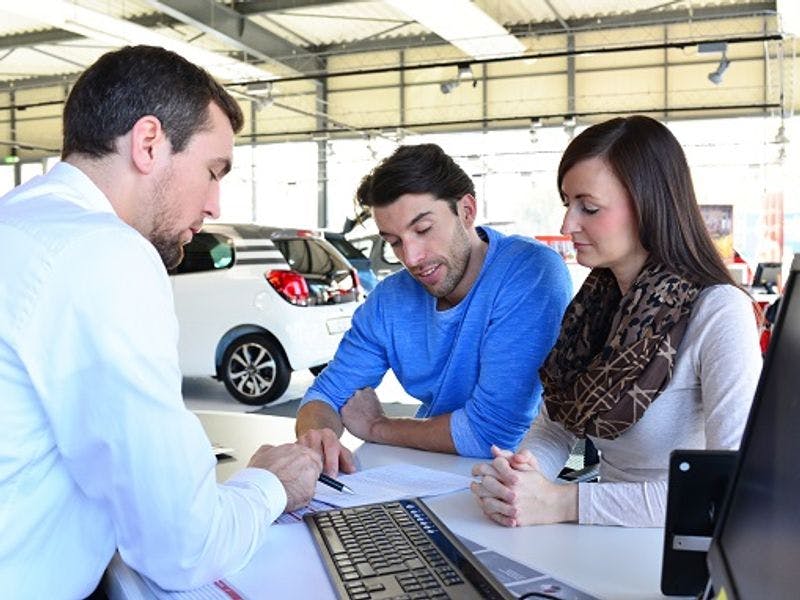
414 253
211 208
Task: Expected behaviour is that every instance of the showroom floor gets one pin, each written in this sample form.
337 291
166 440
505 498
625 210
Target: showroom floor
209 394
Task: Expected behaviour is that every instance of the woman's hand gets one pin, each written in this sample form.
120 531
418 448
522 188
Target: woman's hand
513 492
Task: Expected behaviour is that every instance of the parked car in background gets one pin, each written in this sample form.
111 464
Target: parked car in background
384 262
255 303
355 257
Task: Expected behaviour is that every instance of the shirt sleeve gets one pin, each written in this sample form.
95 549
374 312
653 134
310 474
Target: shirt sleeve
727 362
360 360
522 329
111 392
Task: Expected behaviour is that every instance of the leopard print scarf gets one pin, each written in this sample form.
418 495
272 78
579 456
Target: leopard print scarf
615 353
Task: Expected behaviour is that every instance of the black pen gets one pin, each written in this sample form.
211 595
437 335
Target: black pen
337 485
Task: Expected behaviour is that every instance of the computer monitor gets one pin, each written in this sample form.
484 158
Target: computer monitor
768 275
756 544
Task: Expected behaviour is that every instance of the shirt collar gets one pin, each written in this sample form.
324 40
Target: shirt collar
90 197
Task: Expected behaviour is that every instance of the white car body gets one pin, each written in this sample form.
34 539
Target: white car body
214 307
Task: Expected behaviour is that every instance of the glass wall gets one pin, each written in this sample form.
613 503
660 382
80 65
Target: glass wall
743 164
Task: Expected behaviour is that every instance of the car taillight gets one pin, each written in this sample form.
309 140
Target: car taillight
289 284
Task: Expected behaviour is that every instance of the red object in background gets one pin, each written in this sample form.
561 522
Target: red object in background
763 341
737 259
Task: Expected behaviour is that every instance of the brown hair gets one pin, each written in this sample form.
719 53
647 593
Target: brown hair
124 85
650 163
416 169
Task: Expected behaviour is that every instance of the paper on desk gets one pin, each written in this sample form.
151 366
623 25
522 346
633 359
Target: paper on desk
270 575
391 482
287 565
219 590
296 516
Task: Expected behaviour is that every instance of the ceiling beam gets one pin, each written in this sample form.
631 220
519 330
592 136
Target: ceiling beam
236 30
558 27
57 36
254 7
644 18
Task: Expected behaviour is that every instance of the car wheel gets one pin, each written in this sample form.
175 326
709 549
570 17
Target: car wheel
254 369
317 369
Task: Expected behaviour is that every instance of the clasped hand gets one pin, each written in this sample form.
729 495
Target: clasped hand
513 491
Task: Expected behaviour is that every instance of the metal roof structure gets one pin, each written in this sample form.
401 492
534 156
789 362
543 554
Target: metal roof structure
332 67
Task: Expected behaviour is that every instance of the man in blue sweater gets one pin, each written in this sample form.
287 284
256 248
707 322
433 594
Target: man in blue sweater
465 327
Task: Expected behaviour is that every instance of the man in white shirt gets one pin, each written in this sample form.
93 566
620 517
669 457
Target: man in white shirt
97 451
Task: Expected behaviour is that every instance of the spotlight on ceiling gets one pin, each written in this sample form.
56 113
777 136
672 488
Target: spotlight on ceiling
449 86
260 93
464 72
715 76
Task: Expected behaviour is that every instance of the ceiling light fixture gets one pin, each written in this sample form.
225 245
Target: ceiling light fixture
715 76
464 25
464 72
115 31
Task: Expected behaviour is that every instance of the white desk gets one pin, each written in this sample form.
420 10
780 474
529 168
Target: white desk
608 562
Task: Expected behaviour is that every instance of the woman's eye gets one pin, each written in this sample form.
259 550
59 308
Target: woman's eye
590 210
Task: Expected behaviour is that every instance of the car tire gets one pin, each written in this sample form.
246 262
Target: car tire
316 370
254 369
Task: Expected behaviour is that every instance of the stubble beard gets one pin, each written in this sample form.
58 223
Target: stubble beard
456 265
166 242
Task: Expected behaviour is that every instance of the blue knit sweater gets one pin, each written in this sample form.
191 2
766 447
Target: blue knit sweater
478 360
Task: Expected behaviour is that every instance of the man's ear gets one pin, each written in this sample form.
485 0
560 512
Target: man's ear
147 140
468 210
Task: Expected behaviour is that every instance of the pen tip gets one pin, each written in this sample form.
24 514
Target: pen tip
347 489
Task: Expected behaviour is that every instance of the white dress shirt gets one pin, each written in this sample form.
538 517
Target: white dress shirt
97 451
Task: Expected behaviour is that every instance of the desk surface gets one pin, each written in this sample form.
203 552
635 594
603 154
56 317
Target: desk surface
608 562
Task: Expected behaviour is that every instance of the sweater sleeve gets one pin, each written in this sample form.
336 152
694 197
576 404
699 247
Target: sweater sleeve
360 360
521 331
722 342
550 443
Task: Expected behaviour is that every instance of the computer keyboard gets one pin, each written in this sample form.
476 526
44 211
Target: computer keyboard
398 550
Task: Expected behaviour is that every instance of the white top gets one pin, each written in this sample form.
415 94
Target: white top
97 450
705 405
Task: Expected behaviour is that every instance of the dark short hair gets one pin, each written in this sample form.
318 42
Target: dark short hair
127 84
649 161
418 169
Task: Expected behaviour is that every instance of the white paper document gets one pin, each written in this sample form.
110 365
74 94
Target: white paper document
269 574
391 482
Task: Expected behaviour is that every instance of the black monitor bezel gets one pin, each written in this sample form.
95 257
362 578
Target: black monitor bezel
718 565
773 267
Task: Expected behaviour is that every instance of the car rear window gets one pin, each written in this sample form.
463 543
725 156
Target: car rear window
346 248
206 252
328 274
310 257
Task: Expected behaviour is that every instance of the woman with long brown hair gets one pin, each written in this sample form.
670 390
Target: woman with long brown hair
658 350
